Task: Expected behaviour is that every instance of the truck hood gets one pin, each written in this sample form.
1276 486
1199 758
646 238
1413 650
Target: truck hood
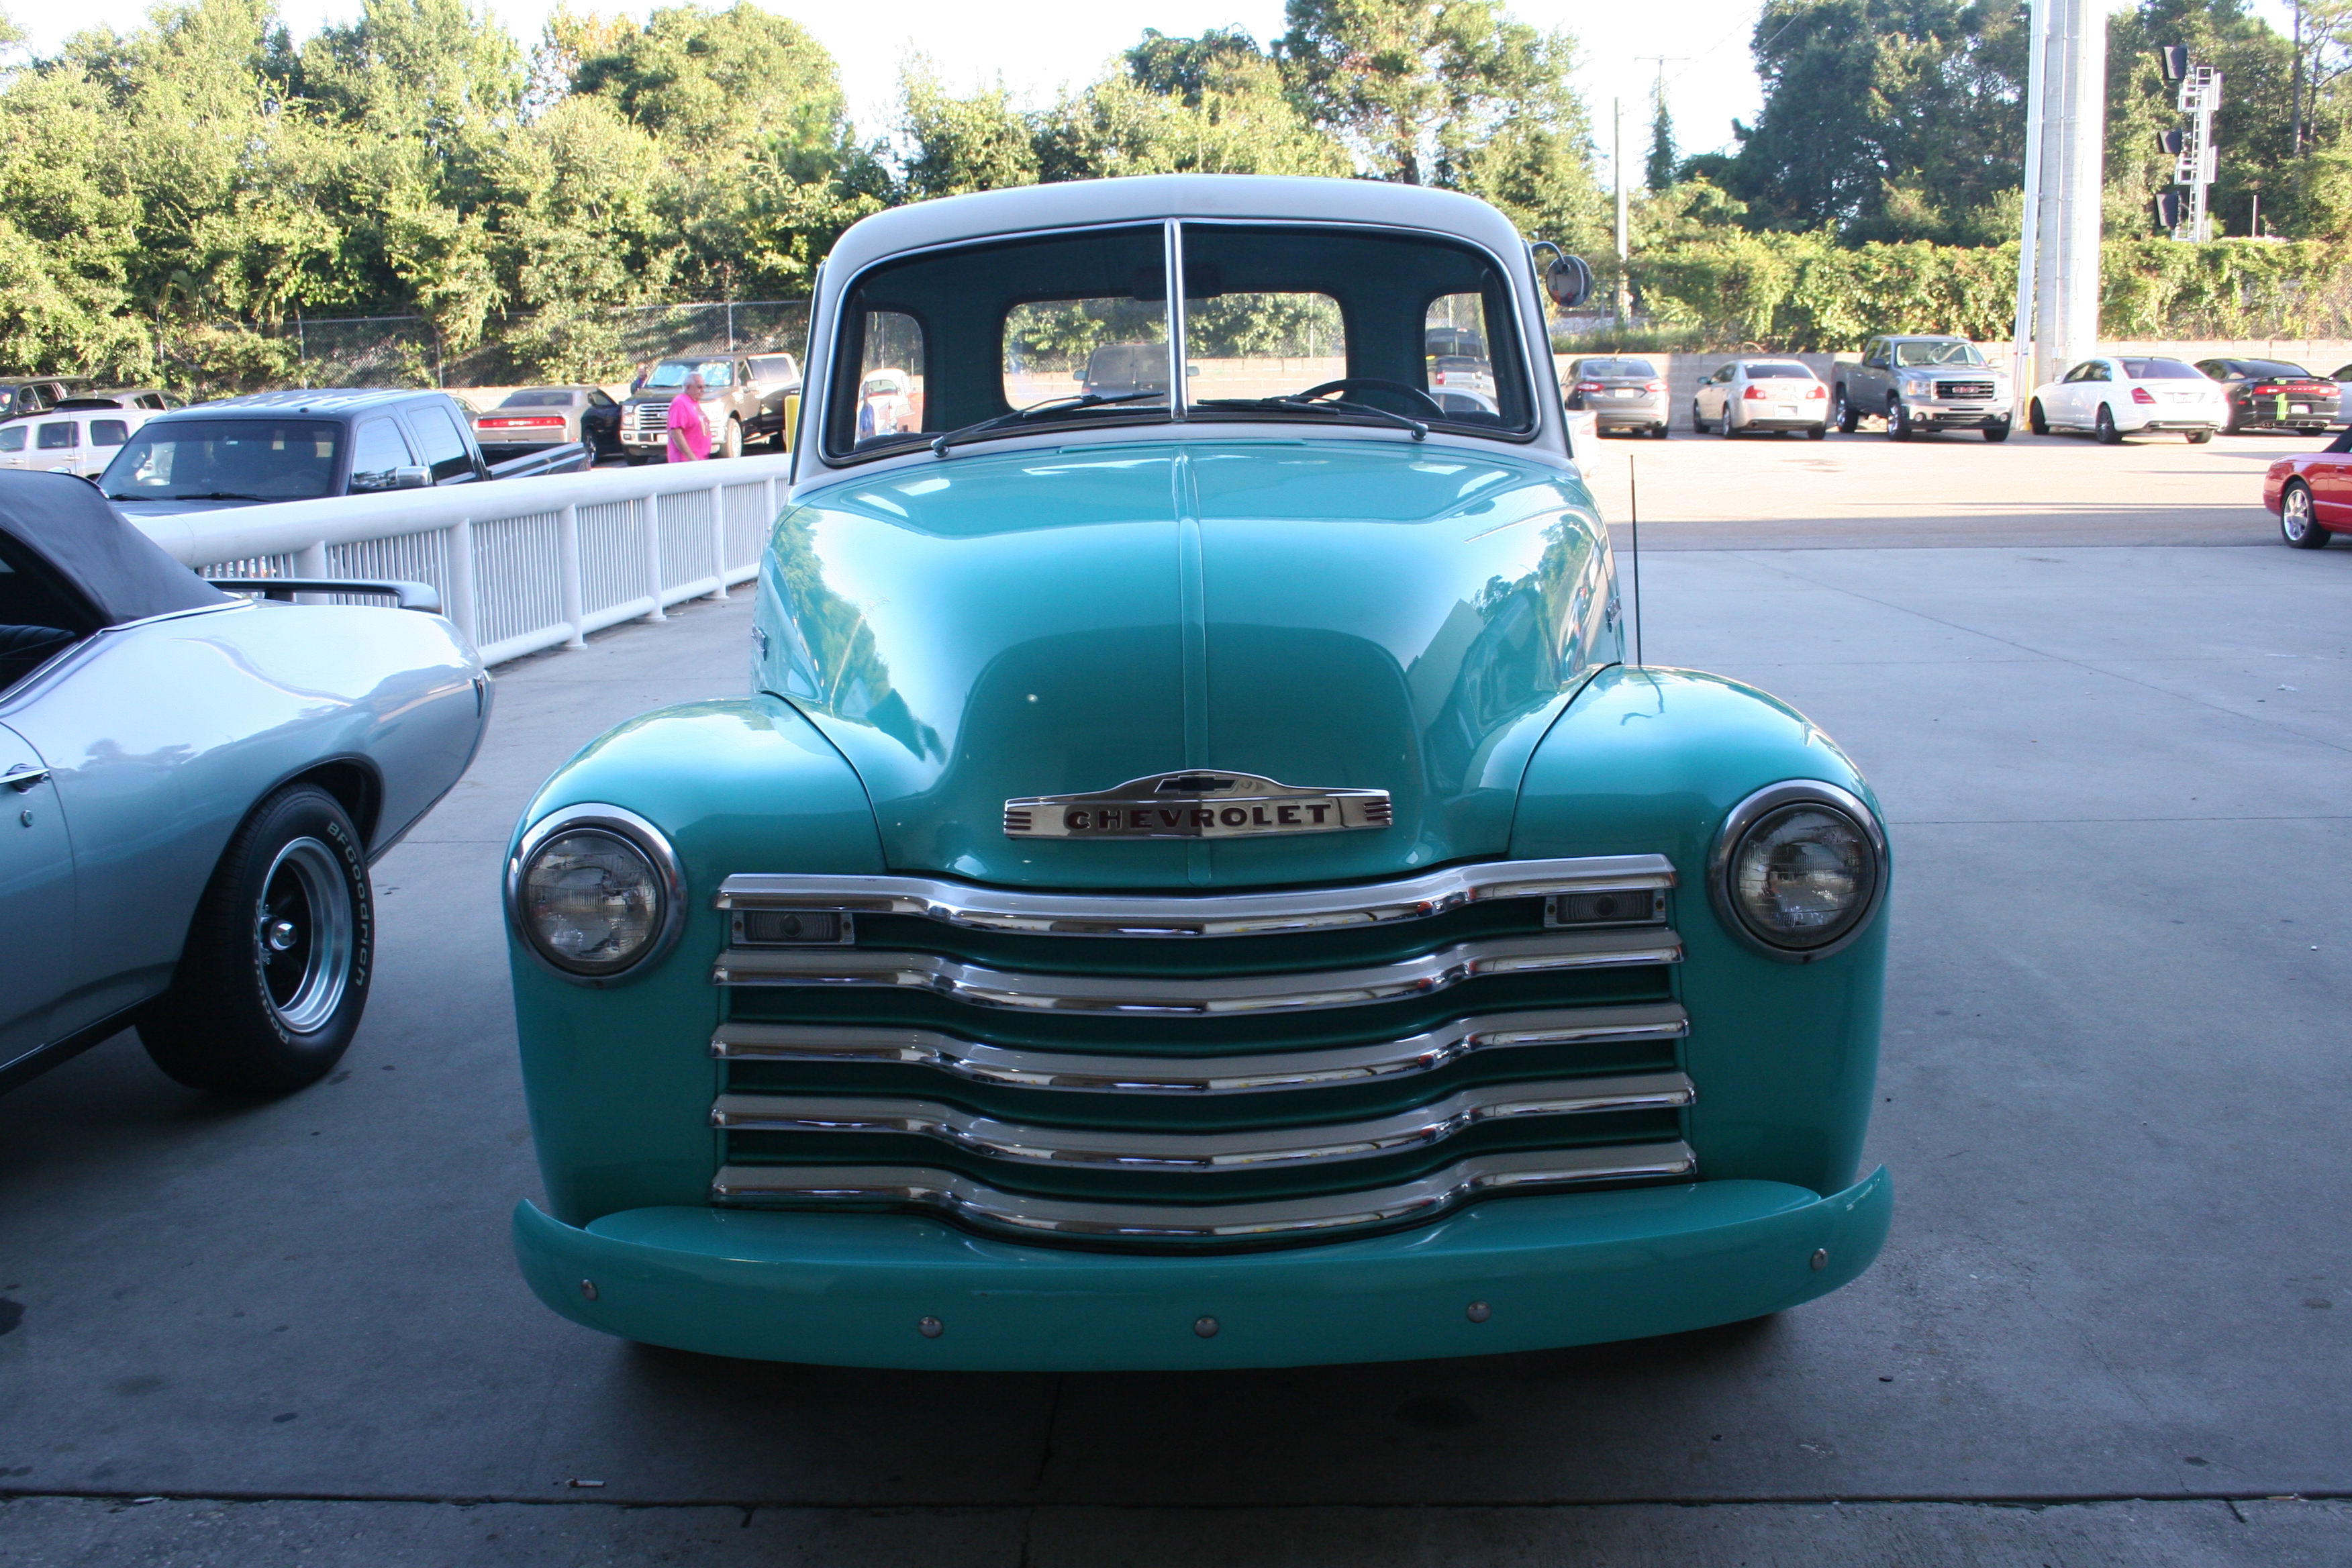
1327 614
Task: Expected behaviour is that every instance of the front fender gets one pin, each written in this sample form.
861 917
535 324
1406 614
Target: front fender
1784 1054
620 1077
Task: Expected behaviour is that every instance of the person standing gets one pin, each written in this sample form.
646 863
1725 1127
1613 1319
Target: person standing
689 433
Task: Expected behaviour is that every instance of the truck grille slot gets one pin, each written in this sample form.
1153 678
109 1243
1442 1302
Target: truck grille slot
1963 389
1323 1064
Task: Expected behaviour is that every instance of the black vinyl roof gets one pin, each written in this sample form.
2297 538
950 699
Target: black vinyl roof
125 575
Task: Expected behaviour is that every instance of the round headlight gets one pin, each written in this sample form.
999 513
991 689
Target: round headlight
590 898
1799 873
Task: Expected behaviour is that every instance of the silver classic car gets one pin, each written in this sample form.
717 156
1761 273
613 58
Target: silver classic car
192 786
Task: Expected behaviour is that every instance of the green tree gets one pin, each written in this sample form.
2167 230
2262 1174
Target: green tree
1884 118
962 144
1214 105
1658 169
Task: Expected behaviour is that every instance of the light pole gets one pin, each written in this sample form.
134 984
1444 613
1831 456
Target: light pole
1617 161
2065 141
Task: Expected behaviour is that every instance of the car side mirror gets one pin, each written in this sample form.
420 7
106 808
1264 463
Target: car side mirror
411 479
1567 280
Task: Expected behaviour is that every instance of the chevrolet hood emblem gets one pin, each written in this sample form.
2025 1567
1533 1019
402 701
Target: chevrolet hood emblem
1196 804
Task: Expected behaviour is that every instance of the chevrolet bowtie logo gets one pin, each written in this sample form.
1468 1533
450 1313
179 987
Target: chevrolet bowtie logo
1196 805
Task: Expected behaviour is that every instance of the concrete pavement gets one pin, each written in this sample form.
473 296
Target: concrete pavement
2111 1099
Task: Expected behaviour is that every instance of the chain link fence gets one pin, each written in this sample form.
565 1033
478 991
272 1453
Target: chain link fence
408 350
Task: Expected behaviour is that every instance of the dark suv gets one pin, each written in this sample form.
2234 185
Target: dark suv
298 446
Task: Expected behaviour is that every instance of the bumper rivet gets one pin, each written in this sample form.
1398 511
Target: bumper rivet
1821 1258
1479 1312
1205 1327
588 1290
929 1328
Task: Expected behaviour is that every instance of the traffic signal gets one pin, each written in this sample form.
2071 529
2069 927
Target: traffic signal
2173 60
2171 142
2168 213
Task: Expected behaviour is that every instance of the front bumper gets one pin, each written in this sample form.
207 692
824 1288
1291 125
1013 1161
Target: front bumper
850 1289
1957 416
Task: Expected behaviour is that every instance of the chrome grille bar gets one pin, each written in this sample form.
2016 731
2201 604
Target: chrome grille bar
1329 1216
1179 915
1190 996
1254 1149
1011 1068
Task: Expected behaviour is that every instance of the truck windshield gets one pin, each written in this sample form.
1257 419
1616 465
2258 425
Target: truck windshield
226 459
1077 329
672 373
1937 353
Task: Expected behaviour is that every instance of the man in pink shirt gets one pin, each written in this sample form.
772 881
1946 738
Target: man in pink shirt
689 433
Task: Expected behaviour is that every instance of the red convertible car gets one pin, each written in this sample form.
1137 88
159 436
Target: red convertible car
2312 493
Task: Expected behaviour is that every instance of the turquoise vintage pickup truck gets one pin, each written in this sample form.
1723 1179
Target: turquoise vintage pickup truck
1197 881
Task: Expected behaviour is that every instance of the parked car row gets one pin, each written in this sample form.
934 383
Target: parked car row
1925 382
77 434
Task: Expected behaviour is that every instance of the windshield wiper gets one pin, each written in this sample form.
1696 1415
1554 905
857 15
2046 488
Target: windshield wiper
1051 404
206 495
1335 405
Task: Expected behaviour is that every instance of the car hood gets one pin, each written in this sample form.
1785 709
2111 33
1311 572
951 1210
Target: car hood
1327 614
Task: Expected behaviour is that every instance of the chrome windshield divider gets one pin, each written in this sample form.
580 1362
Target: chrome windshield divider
977 1204
1256 1149
1188 997
1255 1073
1196 915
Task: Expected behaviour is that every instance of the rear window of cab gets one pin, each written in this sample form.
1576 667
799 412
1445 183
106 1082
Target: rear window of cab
1384 327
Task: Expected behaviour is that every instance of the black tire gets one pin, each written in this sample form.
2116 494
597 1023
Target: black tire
730 444
1698 424
1844 415
1997 432
2103 426
2236 423
1658 431
1729 430
2198 438
1817 432
1899 421
2298 521
274 977
2035 420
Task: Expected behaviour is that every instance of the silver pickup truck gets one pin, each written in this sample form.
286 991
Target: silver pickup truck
1922 381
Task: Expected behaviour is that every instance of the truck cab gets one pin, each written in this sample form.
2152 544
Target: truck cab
1198 879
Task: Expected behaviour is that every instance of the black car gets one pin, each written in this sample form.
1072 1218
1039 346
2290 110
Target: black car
34 394
2273 394
299 445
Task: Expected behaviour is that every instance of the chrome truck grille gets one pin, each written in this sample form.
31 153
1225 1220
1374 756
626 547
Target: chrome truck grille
1189 1070
1948 391
649 419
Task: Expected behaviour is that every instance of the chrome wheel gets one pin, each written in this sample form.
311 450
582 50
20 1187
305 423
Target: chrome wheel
2297 521
303 935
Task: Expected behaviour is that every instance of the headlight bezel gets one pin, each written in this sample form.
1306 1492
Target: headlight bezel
615 822
1744 817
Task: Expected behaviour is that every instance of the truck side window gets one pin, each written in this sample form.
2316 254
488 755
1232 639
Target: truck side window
445 449
12 439
377 449
64 434
109 432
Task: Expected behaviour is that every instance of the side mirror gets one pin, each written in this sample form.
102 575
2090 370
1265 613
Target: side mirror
412 478
1567 280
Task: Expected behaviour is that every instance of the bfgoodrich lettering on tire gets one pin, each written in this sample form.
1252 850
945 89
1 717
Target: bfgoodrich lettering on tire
274 977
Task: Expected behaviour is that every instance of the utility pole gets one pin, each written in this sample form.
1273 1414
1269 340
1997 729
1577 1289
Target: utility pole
2065 142
1617 160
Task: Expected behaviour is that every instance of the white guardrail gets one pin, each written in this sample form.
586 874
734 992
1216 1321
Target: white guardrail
521 564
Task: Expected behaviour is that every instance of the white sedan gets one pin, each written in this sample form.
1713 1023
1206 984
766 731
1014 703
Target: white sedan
1756 395
2125 395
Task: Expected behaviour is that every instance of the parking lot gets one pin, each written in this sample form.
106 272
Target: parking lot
2111 719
